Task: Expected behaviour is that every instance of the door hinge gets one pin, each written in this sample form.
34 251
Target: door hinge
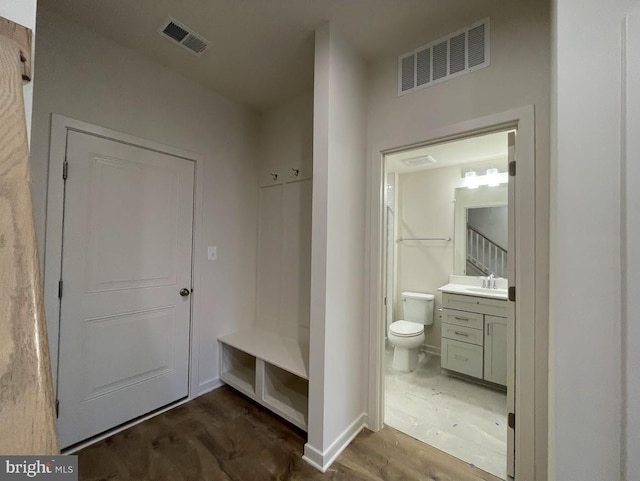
65 170
512 168
385 301
511 420
57 409
60 289
512 293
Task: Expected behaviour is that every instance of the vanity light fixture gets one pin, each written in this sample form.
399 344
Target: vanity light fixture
493 178
471 179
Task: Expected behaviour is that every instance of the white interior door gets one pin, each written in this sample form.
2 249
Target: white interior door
511 321
124 322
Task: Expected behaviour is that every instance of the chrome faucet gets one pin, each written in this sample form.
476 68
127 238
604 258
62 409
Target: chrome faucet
489 282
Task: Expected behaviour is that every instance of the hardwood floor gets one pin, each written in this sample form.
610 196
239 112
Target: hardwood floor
225 436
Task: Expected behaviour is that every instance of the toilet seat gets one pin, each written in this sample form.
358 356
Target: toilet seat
406 329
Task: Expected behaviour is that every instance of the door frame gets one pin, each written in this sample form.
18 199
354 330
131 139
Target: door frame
531 397
60 125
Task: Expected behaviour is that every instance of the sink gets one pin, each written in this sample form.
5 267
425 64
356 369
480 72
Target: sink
474 291
483 290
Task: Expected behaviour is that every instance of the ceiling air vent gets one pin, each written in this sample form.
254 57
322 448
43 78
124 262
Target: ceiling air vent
456 54
419 161
183 35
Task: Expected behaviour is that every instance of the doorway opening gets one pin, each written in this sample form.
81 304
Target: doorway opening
449 346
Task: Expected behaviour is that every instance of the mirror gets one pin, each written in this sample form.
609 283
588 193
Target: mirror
481 231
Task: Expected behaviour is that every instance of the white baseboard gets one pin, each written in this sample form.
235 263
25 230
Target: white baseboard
313 457
432 350
208 386
323 460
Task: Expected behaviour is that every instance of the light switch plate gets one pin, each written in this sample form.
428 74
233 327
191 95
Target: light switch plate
212 253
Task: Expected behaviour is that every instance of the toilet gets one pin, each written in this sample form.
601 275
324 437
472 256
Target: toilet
407 335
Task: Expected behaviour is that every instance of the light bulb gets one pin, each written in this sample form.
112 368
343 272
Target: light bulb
471 179
493 179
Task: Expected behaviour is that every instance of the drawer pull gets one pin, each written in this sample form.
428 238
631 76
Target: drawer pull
458 333
461 318
461 358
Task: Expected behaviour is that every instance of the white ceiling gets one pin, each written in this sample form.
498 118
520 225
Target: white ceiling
483 151
261 51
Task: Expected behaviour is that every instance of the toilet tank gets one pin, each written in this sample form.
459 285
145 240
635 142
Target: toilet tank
418 307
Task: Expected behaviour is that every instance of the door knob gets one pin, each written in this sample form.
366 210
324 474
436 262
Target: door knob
184 292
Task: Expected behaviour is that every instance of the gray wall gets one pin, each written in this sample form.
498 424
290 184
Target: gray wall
87 77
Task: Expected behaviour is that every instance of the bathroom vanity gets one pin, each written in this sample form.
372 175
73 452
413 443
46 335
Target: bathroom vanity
474 332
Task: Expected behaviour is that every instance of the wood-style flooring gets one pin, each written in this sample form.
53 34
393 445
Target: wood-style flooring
225 436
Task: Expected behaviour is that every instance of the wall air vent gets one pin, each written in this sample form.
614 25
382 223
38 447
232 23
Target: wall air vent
456 54
184 36
407 73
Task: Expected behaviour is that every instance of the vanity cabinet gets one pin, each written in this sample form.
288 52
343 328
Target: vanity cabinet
462 357
474 336
495 349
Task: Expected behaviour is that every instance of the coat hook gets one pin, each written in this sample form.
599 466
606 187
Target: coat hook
274 176
296 172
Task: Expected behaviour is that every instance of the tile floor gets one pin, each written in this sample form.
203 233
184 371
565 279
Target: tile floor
458 417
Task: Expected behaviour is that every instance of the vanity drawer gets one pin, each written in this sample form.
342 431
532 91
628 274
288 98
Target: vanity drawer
483 305
462 357
462 318
462 333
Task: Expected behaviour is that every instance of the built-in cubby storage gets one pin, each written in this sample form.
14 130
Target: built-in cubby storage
238 369
286 394
270 369
269 361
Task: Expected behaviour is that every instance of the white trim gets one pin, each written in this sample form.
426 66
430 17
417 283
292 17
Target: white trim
529 308
323 460
314 457
210 385
60 125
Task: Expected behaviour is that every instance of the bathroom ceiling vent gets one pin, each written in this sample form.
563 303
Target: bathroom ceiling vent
184 36
456 54
419 161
